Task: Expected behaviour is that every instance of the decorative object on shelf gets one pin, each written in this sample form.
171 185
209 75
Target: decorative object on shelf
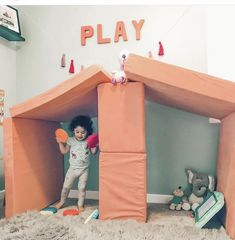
1 106
10 24
71 68
63 61
160 50
82 68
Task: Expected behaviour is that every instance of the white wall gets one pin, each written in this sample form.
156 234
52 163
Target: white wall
8 84
8 72
197 38
53 30
221 41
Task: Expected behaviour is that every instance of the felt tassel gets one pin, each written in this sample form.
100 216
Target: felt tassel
150 54
161 49
63 61
71 68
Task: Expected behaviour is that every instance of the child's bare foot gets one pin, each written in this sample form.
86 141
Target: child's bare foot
81 209
59 205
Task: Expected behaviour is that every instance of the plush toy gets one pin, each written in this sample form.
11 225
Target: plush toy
200 185
177 200
119 76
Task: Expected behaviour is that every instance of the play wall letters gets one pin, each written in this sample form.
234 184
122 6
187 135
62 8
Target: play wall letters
120 32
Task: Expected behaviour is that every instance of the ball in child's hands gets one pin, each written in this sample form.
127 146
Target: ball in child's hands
92 140
61 135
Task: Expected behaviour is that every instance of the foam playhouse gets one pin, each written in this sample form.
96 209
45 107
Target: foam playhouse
34 166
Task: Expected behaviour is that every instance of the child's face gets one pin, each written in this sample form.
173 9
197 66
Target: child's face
80 133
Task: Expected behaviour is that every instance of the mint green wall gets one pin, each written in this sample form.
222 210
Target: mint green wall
175 140
2 182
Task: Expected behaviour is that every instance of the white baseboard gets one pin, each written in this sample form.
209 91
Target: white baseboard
159 198
151 198
94 195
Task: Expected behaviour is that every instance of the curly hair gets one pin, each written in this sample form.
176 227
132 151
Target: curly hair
82 121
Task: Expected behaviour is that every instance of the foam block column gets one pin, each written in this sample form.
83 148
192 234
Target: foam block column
122 169
226 170
121 118
122 191
33 164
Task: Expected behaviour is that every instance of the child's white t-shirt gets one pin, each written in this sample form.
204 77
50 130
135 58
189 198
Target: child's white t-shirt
79 153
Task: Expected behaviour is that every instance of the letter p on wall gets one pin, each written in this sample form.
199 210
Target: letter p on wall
86 32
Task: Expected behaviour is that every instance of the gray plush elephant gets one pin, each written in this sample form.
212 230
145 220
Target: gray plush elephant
200 185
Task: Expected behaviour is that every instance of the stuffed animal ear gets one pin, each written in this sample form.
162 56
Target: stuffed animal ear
190 175
211 186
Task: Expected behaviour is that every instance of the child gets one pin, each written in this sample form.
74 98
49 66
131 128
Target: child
79 161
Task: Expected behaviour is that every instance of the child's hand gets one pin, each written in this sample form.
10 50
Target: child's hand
58 140
64 147
95 149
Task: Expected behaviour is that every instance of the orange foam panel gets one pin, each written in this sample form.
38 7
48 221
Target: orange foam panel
72 97
226 170
33 164
182 88
121 118
122 186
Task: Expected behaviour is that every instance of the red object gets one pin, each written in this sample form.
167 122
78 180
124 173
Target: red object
71 68
92 140
70 212
161 49
61 135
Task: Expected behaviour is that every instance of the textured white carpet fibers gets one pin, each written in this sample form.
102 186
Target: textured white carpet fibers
162 225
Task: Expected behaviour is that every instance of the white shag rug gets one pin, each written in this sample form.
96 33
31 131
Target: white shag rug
34 226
